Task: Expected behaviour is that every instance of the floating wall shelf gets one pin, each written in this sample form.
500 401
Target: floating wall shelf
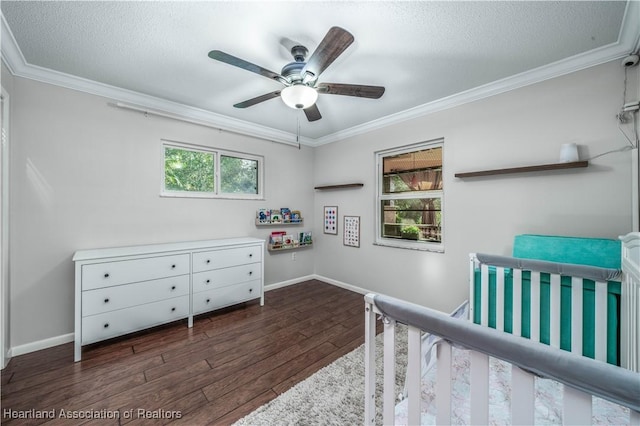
342 186
525 169
283 223
271 247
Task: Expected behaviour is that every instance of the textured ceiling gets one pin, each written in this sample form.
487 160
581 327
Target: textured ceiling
421 52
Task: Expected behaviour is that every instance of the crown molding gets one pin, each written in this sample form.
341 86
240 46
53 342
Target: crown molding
18 66
628 42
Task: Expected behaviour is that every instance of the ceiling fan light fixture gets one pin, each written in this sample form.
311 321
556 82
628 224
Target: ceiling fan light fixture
299 96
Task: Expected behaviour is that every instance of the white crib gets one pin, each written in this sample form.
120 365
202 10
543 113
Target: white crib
581 376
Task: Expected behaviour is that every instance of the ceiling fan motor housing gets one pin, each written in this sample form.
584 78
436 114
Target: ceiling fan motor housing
292 71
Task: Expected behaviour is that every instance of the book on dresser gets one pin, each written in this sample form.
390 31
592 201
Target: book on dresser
126 289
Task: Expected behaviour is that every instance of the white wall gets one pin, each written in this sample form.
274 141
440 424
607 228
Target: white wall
86 174
522 127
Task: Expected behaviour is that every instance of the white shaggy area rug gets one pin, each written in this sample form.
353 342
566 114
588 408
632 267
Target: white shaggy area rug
334 395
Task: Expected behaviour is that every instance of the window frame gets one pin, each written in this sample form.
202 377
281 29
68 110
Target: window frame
380 197
217 155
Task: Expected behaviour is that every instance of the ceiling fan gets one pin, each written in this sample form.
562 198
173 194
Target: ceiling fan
300 78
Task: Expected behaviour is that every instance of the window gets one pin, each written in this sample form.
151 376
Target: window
196 171
409 197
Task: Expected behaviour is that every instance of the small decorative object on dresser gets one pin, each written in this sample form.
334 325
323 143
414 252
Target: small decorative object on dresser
126 289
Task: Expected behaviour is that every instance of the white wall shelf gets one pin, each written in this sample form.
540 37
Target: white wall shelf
287 223
271 248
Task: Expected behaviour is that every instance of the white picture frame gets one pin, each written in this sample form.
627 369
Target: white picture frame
351 231
331 220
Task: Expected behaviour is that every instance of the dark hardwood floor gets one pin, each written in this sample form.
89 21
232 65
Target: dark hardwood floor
230 363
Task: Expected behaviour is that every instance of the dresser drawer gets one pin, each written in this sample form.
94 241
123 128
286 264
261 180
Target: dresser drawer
115 323
99 275
124 296
224 258
225 296
209 280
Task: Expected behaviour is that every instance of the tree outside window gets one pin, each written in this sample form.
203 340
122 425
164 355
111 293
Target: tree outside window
410 192
195 171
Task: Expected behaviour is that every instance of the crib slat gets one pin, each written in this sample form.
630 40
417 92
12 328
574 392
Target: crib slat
576 407
629 329
535 306
500 299
369 365
484 295
522 397
413 376
473 262
576 315
389 375
517 302
479 388
554 311
601 321
443 384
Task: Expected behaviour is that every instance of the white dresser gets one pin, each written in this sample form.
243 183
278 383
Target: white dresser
125 289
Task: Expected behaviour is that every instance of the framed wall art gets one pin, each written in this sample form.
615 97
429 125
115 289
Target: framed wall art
331 220
351 231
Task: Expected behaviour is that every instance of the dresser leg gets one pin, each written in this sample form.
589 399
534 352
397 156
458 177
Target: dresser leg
190 321
77 354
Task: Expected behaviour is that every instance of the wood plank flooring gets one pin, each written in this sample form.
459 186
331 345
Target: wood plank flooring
230 363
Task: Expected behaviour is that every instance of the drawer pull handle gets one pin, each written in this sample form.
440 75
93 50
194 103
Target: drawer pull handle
208 300
250 254
250 272
173 309
173 266
106 300
106 275
106 325
208 281
250 290
208 260
173 287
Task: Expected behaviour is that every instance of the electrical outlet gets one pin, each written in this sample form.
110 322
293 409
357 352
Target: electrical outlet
293 256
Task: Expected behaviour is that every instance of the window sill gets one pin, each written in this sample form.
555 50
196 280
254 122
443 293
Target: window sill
412 246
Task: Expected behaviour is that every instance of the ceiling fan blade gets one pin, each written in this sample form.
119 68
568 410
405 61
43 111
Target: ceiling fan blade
241 63
361 91
258 99
332 45
313 113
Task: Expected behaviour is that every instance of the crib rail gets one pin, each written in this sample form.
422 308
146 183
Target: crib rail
581 376
603 334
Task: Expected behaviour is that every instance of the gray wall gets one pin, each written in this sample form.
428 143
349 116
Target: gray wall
85 174
522 127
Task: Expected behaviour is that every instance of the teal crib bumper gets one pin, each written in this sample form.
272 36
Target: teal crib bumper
588 328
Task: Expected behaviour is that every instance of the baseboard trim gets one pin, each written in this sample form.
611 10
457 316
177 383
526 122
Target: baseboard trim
66 338
41 344
341 284
287 283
